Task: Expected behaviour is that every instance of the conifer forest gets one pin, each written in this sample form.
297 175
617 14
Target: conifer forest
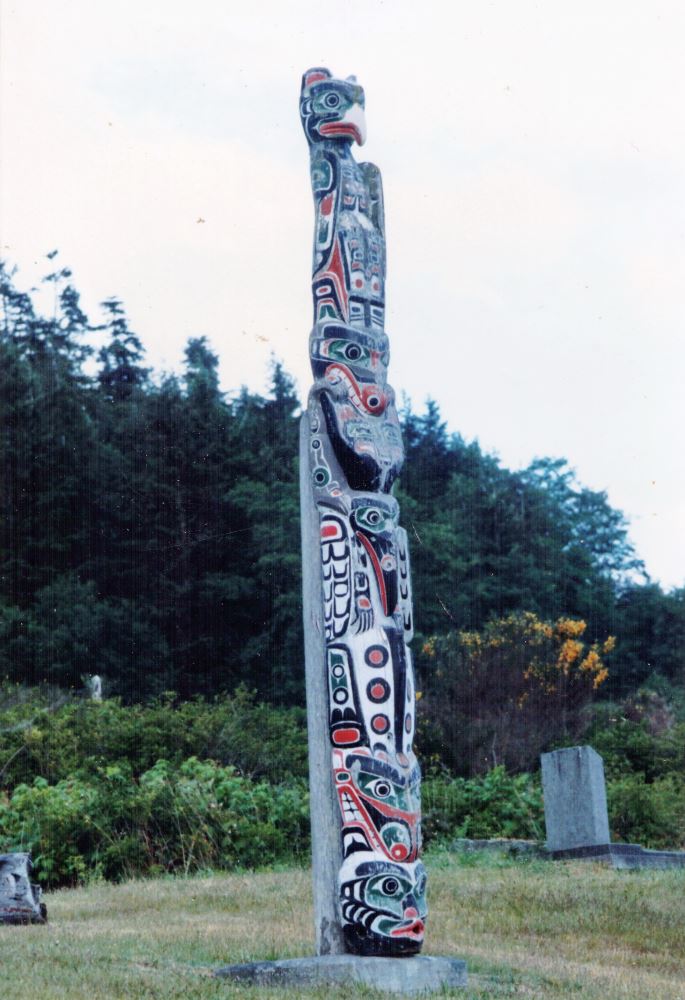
150 528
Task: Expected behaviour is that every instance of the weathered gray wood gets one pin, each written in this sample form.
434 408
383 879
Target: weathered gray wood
325 812
20 898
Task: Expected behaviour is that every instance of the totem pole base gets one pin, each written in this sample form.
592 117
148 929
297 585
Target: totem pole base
421 974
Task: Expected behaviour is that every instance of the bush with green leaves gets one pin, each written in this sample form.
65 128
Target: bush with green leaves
48 734
171 818
639 736
497 804
648 813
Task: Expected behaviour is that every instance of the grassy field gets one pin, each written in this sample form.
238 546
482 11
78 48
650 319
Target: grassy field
527 929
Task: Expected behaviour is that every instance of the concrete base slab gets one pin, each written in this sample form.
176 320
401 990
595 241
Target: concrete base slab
624 856
413 976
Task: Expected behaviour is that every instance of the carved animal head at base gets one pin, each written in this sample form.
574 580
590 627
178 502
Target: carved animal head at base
383 906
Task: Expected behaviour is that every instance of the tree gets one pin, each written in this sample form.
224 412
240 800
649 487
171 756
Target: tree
120 374
47 433
593 526
652 630
169 514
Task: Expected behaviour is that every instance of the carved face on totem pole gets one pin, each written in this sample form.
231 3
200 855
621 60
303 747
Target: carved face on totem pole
332 109
350 365
384 906
355 455
379 801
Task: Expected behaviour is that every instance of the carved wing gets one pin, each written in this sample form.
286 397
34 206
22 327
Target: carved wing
336 569
404 582
374 186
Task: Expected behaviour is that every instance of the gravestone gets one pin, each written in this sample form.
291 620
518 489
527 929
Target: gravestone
20 899
575 801
576 814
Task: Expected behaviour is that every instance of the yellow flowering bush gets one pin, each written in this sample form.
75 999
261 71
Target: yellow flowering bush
504 694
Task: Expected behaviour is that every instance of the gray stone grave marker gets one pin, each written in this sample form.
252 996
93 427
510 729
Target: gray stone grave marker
575 801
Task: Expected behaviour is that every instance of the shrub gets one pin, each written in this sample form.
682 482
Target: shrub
503 695
171 819
651 814
494 805
638 737
43 733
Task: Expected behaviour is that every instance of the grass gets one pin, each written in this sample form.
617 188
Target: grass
527 929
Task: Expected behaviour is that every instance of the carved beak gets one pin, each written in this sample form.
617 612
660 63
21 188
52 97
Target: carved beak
352 125
356 118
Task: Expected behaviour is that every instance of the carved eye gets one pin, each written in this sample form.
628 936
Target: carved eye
381 789
373 401
331 100
389 886
373 516
344 350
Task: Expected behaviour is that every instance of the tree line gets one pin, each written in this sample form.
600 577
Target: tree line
149 526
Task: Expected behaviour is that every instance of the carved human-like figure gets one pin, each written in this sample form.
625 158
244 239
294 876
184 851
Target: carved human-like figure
355 455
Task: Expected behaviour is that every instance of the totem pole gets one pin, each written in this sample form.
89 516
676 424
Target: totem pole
353 455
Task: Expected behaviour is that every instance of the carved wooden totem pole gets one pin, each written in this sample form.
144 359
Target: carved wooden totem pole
354 454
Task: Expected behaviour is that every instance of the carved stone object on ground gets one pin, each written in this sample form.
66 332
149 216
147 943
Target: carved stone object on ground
355 454
20 899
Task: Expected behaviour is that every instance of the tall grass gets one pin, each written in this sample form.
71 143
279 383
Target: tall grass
527 929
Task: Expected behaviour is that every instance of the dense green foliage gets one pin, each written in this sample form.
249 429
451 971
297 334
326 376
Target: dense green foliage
104 789
495 805
47 735
149 529
642 742
196 815
98 788
149 533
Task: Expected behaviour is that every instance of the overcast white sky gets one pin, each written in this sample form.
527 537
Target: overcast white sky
533 157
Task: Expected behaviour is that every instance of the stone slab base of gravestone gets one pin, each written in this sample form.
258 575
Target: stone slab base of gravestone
622 856
20 899
413 976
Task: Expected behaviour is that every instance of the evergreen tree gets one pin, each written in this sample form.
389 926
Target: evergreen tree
149 531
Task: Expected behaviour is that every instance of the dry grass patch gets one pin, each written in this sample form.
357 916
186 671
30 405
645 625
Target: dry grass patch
529 930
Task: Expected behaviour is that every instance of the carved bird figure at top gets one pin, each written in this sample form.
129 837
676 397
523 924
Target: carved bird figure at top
331 108
349 239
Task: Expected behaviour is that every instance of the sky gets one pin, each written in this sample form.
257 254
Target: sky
533 161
